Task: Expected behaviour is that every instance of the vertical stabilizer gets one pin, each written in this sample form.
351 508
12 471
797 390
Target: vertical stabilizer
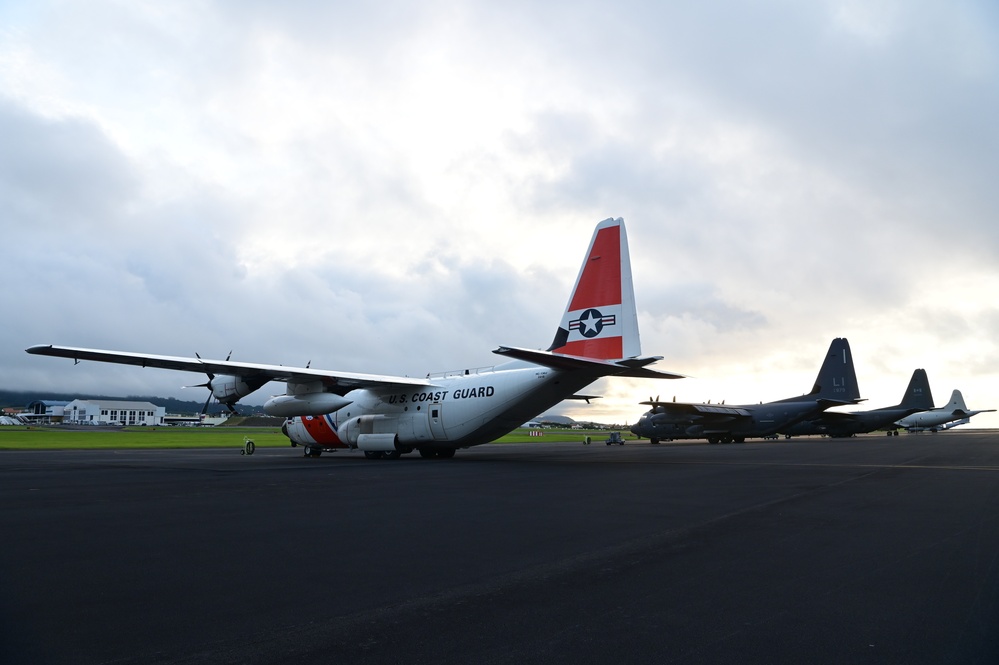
918 395
601 321
837 379
956 402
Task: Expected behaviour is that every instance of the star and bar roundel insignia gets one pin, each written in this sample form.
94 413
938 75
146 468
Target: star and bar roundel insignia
591 322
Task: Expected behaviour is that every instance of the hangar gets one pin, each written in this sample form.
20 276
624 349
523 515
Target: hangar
95 412
82 411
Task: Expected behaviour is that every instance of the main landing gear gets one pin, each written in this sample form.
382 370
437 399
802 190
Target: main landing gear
726 439
380 454
425 453
437 453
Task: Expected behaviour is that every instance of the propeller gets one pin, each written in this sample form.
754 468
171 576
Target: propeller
208 384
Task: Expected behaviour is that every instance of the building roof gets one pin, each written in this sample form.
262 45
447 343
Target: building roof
48 403
120 405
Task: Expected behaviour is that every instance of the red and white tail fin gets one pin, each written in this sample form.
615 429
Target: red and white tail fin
601 321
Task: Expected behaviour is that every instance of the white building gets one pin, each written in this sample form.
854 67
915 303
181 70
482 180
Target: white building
101 411
44 411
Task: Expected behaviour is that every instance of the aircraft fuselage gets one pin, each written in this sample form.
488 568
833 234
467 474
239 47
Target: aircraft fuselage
847 424
759 420
460 409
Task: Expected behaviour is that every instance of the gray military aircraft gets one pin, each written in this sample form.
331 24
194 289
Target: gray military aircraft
917 398
952 414
836 385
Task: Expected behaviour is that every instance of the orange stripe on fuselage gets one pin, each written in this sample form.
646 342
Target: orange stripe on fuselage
600 283
321 431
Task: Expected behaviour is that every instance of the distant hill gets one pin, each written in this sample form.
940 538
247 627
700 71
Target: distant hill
557 420
21 399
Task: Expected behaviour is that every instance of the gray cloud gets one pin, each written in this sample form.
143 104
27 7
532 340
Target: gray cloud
59 175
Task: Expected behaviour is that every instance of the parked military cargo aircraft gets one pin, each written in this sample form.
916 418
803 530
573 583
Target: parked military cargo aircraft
836 385
916 398
386 416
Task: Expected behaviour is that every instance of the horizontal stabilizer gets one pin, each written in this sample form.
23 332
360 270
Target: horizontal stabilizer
595 366
585 398
827 403
640 362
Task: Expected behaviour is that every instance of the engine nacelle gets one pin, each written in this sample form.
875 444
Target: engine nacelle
311 404
229 389
377 442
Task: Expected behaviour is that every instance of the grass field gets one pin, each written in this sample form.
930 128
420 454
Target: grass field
58 438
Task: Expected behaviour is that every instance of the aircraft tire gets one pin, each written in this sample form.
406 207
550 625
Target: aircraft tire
654 441
391 454
249 448
372 454
437 453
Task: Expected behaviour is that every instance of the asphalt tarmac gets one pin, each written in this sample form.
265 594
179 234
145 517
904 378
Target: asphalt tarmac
867 550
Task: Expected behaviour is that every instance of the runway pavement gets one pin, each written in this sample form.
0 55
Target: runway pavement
866 550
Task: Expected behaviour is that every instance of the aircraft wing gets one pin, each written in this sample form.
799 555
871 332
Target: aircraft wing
342 381
634 367
705 409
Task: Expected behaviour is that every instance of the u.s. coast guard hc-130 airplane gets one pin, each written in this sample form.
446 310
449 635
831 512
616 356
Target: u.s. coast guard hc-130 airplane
386 416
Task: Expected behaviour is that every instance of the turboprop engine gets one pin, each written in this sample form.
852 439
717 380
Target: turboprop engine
229 389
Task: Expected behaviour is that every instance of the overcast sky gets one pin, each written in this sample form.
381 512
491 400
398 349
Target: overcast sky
400 187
